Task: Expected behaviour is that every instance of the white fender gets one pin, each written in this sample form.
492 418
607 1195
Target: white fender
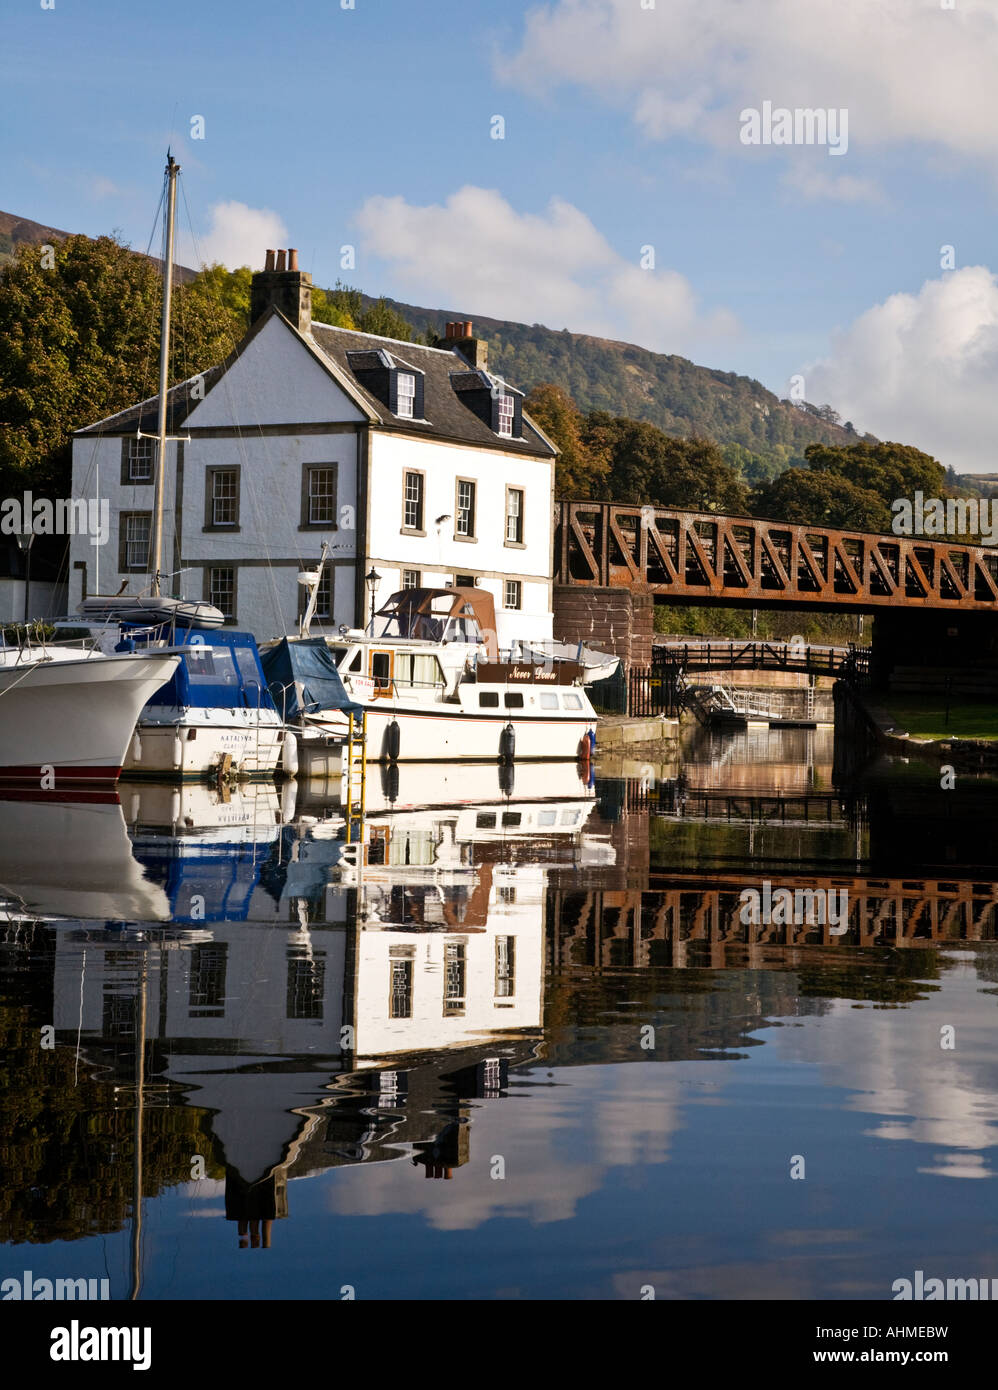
289 754
178 753
137 747
289 799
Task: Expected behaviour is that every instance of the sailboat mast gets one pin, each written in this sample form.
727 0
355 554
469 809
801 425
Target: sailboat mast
172 170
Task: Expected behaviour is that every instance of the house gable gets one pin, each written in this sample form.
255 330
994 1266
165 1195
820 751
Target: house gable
276 379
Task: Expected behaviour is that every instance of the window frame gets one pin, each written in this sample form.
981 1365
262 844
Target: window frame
126 461
518 543
401 414
328 578
306 524
419 530
230 618
210 474
516 607
502 396
472 535
418 577
123 542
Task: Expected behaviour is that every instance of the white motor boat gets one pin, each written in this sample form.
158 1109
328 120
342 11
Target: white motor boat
67 712
431 687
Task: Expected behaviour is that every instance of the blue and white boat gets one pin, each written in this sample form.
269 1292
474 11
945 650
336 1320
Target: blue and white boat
214 717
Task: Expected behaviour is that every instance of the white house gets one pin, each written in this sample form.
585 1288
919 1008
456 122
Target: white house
411 462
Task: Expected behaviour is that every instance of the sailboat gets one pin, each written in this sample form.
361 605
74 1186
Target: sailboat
215 715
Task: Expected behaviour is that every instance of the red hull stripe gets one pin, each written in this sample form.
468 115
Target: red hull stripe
60 775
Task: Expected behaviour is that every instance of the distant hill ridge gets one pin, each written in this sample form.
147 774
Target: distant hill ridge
671 392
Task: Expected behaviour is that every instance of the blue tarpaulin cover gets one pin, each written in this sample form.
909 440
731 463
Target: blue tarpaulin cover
303 679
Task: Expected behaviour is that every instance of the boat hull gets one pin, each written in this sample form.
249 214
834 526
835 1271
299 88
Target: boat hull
185 748
70 722
434 735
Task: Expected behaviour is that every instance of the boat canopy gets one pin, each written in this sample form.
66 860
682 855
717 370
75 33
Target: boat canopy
441 615
303 678
217 670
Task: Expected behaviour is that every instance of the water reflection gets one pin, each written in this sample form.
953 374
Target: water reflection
533 1004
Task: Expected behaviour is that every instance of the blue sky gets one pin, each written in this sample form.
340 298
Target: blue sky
372 126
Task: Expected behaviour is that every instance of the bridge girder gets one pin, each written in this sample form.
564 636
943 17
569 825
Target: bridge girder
750 562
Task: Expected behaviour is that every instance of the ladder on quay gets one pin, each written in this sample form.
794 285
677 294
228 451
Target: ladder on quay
355 779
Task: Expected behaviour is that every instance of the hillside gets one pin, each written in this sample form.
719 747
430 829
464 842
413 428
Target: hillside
14 230
671 392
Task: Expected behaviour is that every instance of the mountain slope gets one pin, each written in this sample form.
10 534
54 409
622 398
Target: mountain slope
673 393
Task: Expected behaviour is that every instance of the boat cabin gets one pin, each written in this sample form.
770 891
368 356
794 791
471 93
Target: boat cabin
439 615
217 670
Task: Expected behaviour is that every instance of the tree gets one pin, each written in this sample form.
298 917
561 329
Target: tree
889 470
807 498
79 336
645 465
578 474
383 320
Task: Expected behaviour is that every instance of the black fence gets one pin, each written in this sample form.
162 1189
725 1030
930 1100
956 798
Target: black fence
642 691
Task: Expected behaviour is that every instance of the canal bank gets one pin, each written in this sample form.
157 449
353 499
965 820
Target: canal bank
879 722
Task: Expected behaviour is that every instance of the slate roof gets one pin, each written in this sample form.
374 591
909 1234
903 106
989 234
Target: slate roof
446 415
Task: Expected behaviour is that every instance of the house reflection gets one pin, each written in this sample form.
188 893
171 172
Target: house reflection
323 1011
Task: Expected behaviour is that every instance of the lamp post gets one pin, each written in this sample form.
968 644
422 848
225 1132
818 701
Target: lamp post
372 579
24 539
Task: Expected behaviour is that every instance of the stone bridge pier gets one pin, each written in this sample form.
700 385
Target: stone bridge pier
616 620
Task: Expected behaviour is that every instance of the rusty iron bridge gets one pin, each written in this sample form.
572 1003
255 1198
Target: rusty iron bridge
704 557
623 928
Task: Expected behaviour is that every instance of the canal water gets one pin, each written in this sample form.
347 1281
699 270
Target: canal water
536 1039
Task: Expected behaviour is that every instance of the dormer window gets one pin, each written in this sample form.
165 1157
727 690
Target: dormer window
406 386
396 383
505 414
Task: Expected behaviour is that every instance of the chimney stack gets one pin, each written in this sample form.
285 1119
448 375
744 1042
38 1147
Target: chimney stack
282 284
460 337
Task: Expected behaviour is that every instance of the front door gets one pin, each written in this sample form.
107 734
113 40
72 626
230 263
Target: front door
381 670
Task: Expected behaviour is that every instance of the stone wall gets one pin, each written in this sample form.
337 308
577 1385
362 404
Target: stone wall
612 620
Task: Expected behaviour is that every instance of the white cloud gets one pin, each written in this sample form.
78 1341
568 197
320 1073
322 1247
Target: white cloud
102 187
477 253
811 182
904 69
921 368
239 235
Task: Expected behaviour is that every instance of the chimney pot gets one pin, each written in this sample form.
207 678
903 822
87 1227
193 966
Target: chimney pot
468 326
268 262
292 258
280 260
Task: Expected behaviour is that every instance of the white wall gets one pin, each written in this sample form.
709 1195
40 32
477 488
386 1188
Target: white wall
277 382
438 555
46 600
